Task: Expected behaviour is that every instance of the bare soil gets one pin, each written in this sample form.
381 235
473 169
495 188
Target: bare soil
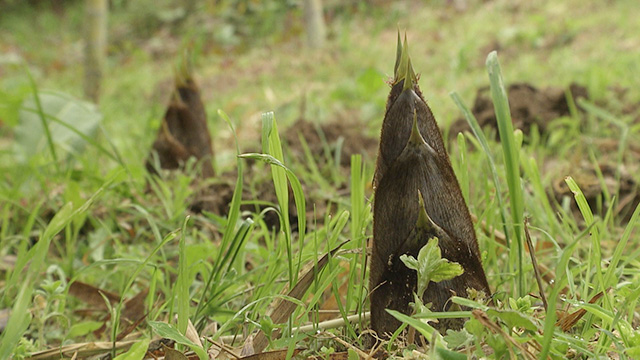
529 106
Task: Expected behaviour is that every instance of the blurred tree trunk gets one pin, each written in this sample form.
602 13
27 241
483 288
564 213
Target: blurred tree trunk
314 23
95 46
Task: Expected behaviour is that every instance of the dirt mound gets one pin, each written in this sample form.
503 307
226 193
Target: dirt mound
347 137
216 198
615 181
323 141
531 107
528 104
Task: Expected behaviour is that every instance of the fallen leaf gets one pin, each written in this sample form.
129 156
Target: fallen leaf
192 334
134 307
173 354
567 321
284 308
91 294
130 328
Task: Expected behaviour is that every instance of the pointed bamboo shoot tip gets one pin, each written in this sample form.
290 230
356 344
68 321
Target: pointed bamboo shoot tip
398 55
406 64
403 70
424 221
416 138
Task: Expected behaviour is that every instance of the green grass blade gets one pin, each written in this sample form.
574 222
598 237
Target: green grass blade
533 174
511 153
422 326
22 251
622 140
45 124
617 253
595 255
551 317
183 282
280 175
312 164
477 131
229 230
273 148
357 229
132 278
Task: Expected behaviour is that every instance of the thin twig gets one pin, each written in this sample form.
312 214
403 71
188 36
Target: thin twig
534 262
362 354
221 345
324 325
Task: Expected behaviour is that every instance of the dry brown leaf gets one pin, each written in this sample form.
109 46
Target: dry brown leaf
128 329
247 347
156 347
192 334
567 321
135 306
173 354
284 308
91 294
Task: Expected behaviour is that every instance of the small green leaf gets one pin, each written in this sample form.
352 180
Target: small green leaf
633 352
419 307
430 253
445 270
267 325
352 354
431 266
513 319
458 338
523 304
172 354
83 328
445 354
419 324
167 331
469 303
499 346
410 262
135 352
474 327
